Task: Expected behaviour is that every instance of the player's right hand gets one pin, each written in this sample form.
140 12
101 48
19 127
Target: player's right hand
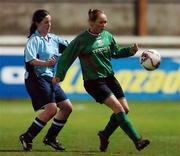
134 48
50 62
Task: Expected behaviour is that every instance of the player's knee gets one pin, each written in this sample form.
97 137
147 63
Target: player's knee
66 106
51 110
118 109
70 108
124 103
126 109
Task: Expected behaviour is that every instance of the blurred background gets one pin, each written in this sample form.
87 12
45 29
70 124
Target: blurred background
154 97
154 17
153 24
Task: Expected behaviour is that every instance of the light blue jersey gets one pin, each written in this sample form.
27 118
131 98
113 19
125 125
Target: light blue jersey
37 47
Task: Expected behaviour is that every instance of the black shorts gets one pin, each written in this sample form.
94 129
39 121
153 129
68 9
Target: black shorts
101 89
42 92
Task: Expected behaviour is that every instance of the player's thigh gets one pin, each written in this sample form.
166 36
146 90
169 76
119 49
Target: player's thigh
65 105
115 87
98 90
113 103
60 95
40 92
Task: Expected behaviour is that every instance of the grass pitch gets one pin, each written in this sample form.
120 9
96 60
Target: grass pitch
157 121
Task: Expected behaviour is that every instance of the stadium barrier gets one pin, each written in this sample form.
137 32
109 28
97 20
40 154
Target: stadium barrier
138 84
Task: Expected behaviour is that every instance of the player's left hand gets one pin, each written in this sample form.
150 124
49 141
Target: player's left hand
56 80
134 48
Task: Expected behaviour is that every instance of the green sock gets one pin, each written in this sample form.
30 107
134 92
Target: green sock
127 127
111 126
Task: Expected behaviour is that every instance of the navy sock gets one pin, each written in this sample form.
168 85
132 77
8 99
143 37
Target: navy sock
34 129
55 128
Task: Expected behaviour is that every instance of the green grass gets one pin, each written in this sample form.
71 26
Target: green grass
158 121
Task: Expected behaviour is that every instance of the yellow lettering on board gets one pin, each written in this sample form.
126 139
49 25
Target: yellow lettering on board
172 83
79 86
131 81
124 77
154 82
138 78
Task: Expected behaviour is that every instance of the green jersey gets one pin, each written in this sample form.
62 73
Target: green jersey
94 52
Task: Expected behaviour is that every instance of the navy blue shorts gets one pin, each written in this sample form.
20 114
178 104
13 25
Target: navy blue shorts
42 91
102 88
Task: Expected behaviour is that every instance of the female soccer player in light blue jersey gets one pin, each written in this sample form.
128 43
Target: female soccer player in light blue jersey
95 47
41 53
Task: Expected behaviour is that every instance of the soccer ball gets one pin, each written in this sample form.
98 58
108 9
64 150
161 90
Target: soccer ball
150 60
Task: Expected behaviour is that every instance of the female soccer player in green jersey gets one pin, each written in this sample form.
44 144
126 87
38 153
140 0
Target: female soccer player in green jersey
95 47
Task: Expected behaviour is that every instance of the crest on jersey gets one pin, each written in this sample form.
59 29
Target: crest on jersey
100 42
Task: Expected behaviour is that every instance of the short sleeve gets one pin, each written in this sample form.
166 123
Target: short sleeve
31 49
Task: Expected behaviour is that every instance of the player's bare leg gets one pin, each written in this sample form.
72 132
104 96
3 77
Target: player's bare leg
57 125
37 125
123 121
111 126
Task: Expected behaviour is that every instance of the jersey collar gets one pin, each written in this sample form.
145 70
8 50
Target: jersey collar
38 34
96 35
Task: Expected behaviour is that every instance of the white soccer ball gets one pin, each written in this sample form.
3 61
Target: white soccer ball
150 59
